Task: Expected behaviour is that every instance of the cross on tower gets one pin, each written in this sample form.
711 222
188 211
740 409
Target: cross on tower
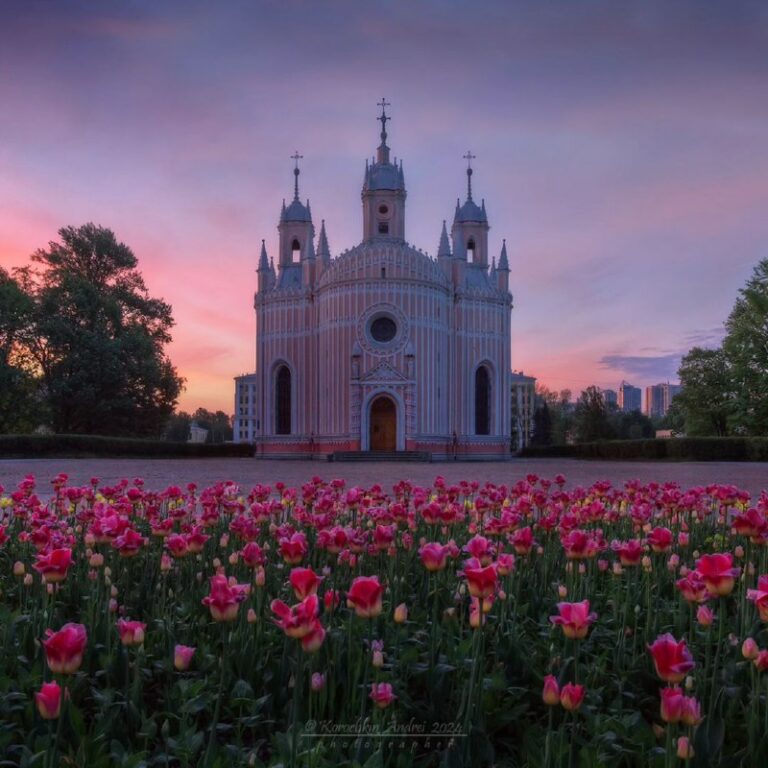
469 157
383 117
296 157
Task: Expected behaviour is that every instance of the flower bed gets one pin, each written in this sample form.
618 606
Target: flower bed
464 625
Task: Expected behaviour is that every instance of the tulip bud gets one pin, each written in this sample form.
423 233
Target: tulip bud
749 649
18 568
260 577
318 681
562 591
28 580
739 551
113 592
112 605
704 616
233 558
216 562
224 540
89 539
401 614
251 616
551 693
378 659
684 748
50 588
182 657
582 568
165 563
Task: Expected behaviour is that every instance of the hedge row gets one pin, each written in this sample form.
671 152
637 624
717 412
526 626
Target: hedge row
681 448
31 446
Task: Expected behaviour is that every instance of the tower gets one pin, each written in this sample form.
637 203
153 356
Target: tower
295 228
383 192
470 226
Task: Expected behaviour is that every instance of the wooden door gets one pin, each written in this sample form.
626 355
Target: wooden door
383 425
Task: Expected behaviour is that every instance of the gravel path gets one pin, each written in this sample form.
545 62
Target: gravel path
159 473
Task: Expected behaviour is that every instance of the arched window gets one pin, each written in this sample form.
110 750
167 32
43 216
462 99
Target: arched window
482 401
283 401
295 251
471 249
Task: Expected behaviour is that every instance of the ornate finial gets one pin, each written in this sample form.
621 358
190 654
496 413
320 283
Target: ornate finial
383 117
469 157
296 157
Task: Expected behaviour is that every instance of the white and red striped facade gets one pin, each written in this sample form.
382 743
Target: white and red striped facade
382 347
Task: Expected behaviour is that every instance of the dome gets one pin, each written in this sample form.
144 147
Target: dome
470 211
296 211
384 176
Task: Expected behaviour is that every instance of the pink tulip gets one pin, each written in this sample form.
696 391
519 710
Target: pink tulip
48 700
574 618
64 649
131 632
381 694
551 692
571 696
182 657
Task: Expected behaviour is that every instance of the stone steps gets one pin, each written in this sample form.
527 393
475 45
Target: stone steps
376 456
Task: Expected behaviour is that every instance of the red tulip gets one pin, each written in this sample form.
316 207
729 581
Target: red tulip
312 641
523 541
629 552
761 661
660 539
129 543
225 598
718 573
672 704
131 632
64 649
434 556
365 596
574 618
304 582
381 694
298 621
673 660
481 581
551 692
182 657
579 545
505 564
571 696
693 588
53 567
760 597
294 549
177 545
252 555
48 700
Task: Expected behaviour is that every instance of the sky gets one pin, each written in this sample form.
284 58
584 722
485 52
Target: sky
622 151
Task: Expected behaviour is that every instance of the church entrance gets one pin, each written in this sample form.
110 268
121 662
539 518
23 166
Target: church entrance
383 425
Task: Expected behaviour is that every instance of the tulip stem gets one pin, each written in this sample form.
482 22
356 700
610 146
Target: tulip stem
219 697
297 689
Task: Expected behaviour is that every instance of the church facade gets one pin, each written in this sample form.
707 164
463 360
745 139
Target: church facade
382 347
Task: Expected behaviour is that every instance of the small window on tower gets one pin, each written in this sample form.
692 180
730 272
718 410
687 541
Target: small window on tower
383 273
383 210
296 251
383 228
471 250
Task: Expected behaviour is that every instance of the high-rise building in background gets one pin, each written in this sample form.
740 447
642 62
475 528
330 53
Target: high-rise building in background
658 398
522 407
610 397
629 398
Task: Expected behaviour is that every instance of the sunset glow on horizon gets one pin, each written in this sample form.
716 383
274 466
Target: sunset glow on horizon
621 151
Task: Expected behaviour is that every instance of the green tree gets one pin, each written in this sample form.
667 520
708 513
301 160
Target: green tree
99 337
20 407
630 426
177 427
218 424
542 425
746 350
707 397
590 418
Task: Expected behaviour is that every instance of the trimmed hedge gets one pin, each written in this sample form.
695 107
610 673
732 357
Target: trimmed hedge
679 448
32 446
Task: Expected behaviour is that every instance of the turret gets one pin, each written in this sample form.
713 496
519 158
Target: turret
295 228
323 252
470 226
265 274
502 271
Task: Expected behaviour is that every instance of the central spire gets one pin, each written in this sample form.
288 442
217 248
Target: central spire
383 150
469 157
296 157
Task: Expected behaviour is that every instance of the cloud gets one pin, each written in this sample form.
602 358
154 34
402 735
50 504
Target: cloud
705 337
650 367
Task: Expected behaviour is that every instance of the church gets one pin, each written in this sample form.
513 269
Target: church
381 348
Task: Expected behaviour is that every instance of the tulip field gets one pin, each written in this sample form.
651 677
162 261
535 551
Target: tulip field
528 624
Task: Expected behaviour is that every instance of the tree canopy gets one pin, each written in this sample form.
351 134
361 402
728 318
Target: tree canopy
725 390
95 336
